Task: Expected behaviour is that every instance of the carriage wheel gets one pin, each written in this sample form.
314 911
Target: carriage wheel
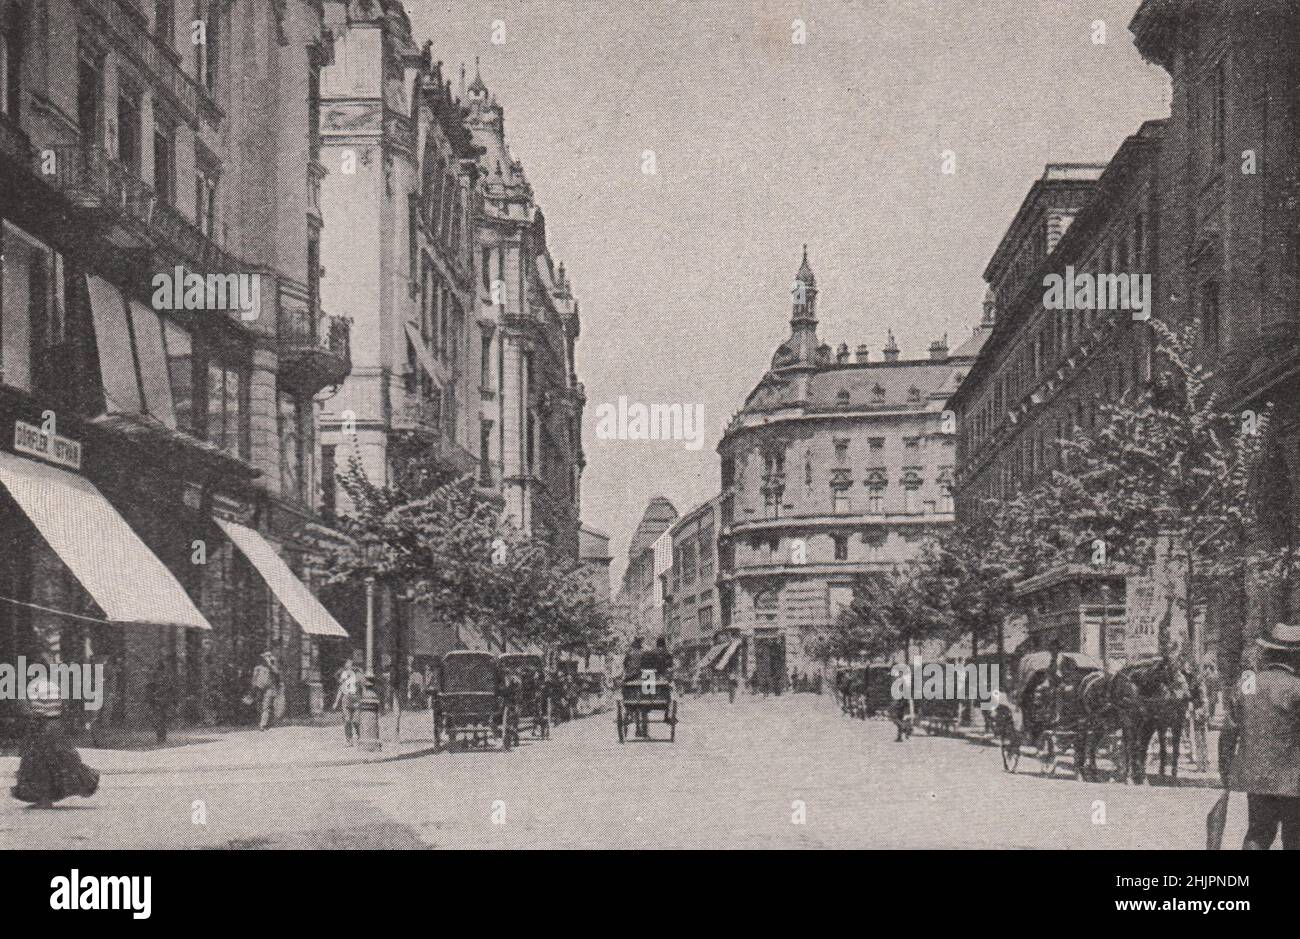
1010 750
622 728
1047 754
672 725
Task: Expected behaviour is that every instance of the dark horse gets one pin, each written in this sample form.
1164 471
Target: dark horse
1165 691
1109 703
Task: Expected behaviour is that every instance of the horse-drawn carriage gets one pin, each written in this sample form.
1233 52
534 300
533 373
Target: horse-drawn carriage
1078 705
643 699
939 716
529 691
473 701
1046 710
864 690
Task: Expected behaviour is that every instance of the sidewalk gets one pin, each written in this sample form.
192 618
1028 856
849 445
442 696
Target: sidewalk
207 749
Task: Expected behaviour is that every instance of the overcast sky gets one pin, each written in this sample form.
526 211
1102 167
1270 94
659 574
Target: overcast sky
761 145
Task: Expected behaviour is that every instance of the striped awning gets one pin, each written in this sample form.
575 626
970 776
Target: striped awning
726 657
299 602
126 580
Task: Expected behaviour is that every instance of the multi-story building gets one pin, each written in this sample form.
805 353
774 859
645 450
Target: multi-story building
530 399
1045 372
640 599
691 617
834 468
1229 250
161 344
399 260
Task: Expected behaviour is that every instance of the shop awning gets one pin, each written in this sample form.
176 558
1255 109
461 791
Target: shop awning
124 578
707 659
726 656
299 602
422 351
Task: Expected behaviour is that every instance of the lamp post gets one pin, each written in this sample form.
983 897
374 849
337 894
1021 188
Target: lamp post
371 549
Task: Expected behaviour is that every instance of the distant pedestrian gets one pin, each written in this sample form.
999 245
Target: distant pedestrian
393 693
99 719
266 688
1259 749
49 768
901 719
348 698
632 661
732 684
415 689
160 695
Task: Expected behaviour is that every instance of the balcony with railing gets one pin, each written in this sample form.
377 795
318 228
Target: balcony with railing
134 215
417 414
315 348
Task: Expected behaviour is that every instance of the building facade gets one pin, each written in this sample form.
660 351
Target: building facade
834 468
692 621
640 600
399 260
1229 251
162 342
1045 373
530 400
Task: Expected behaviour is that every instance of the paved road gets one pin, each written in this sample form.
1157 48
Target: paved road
786 772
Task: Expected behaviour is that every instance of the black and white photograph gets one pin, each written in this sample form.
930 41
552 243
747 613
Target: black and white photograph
862 425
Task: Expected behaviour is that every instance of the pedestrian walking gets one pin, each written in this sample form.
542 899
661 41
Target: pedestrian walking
348 699
632 661
50 768
732 684
98 720
393 693
160 696
901 719
1259 749
266 688
415 688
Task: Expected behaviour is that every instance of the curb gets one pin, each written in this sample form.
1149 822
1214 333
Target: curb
242 767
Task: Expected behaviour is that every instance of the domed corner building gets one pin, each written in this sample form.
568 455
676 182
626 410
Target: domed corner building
836 466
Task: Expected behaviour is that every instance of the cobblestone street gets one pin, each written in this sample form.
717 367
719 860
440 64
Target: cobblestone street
734 778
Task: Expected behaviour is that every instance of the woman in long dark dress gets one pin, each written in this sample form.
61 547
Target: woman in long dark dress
50 768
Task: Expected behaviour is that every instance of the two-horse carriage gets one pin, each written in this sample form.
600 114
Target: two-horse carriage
1077 705
646 700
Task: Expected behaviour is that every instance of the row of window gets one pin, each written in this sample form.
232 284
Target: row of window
147 362
1057 334
769 548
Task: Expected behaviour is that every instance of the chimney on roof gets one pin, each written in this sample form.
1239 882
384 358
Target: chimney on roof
891 348
862 354
842 354
939 349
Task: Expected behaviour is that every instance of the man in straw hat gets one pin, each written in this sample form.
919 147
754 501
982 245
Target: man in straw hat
1259 751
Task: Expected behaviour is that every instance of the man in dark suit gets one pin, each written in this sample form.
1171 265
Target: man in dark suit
1259 750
